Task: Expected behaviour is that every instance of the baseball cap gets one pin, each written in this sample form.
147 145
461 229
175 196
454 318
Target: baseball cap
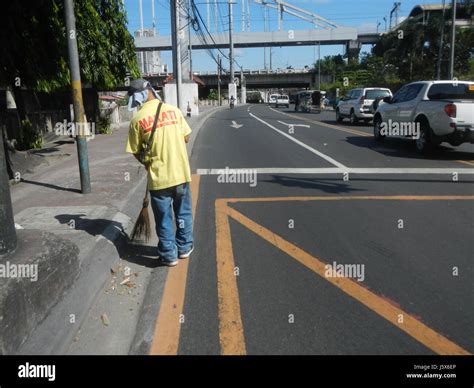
137 92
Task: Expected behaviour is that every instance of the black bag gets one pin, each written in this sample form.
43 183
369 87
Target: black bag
145 152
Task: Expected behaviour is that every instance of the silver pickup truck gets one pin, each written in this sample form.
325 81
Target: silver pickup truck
430 112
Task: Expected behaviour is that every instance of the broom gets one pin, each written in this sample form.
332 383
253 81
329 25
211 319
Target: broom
142 229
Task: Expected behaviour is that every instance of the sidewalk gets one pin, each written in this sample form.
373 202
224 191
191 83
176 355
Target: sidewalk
90 234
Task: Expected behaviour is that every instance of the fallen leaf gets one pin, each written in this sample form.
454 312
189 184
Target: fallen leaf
105 319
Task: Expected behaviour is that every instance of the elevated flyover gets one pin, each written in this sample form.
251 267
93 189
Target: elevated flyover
340 35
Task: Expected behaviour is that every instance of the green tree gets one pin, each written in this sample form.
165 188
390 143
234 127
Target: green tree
414 48
33 46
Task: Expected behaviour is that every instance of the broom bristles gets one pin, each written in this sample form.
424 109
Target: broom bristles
142 230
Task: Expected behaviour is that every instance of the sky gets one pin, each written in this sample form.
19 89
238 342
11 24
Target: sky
361 14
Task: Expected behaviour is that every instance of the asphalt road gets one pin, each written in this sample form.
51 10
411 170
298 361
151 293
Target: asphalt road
397 229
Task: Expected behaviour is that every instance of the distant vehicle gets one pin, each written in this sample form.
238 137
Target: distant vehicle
357 105
442 110
273 98
303 101
282 100
254 98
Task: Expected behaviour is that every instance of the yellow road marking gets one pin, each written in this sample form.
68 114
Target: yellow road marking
168 326
231 333
352 131
468 162
391 313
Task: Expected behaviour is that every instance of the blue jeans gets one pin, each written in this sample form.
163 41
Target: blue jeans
165 203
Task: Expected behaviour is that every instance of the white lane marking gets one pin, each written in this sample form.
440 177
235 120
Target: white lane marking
235 125
300 143
294 125
333 170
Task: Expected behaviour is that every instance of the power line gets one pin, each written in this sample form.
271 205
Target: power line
200 18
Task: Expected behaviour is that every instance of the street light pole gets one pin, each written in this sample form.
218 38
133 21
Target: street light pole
190 43
219 69
441 43
453 41
78 106
231 43
319 66
7 224
176 43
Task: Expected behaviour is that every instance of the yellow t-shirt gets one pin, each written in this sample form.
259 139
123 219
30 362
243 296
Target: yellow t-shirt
170 164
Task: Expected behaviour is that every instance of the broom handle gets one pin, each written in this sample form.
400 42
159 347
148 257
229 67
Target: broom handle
146 201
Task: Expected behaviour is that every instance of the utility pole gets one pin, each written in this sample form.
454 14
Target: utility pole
231 42
441 43
7 225
219 70
215 17
248 15
271 58
243 15
319 66
189 41
243 87
453 41
176 43
78 106
142 54
280 16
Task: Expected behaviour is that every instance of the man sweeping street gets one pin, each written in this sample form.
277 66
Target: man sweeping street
157 138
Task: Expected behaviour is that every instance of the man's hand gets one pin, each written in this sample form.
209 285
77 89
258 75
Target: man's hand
186 139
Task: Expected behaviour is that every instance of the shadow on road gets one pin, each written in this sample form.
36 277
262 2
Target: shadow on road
404 148
143 255
326 185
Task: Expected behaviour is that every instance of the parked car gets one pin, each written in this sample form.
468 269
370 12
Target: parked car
357 105
282 100
273 98
442 110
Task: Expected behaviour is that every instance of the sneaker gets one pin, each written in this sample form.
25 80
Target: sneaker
187 254
168 263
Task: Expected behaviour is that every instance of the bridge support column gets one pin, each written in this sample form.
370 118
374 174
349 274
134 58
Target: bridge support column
353 48
233 90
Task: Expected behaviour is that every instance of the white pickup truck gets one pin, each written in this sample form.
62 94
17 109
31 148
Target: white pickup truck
441 111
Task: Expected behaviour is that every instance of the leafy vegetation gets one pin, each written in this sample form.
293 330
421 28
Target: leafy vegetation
30 138
406 55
